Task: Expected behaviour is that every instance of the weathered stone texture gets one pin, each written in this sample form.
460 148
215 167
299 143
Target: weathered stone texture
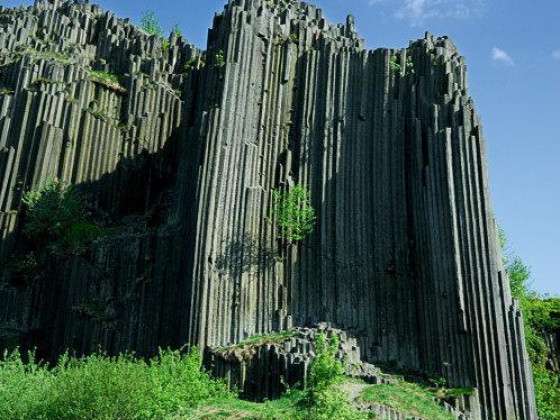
404 255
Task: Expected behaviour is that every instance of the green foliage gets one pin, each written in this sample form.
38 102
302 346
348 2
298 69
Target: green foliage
51 210
22 387
541 315
286 407
56 216
150 24
176 30
107 79
394 64
259 340
194 63
410 65
102 387
81 233
165 46
323 398
325 370
219 59
408 398
396 67
104 75
295 217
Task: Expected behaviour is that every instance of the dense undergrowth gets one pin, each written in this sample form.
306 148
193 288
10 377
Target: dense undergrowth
101 387
541 315
173 386
170 386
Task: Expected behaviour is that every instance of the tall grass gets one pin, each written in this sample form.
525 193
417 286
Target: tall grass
102 387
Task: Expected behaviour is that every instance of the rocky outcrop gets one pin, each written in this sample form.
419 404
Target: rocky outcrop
404 255
265 367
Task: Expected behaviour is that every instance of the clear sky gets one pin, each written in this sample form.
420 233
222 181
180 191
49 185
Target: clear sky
512 49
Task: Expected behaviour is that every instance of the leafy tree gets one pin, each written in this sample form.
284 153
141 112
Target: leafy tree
326 369
541 315
323 397
150 24
295 217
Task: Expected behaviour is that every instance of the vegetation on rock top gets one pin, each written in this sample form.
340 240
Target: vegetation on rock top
408 398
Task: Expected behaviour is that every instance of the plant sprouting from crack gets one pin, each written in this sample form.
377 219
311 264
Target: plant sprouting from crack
293 213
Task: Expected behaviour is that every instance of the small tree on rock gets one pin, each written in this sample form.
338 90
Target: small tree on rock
295 217
150 24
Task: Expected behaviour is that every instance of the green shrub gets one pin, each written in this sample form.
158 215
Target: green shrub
219 59
394 64
51 210
56 217
541 316
295 217
22 387
150 24
325 370
102 387
323 398
176 30
81 233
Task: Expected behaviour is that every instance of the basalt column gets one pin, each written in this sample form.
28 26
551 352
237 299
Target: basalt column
404 254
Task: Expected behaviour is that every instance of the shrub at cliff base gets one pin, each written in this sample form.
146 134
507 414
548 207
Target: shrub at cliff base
541 315
101 387
169 386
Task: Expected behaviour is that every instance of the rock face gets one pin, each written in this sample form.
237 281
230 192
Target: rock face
268 366
185 150
265 367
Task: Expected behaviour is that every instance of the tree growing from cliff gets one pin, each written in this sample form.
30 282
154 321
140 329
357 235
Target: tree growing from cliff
150 24
294 214
56 216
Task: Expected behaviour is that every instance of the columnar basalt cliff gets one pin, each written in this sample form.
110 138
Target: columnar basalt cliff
182 154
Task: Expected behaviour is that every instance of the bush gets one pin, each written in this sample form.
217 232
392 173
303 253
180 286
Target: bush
56 217
51 210
219 59
294 214
325 370
150 24
22 387
102 387
323 398
541 316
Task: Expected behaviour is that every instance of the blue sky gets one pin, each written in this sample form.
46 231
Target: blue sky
513 55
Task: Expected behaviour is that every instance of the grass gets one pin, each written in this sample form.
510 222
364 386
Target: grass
102 387
287 407
172 385
408 398
110 80
49 56
259 340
